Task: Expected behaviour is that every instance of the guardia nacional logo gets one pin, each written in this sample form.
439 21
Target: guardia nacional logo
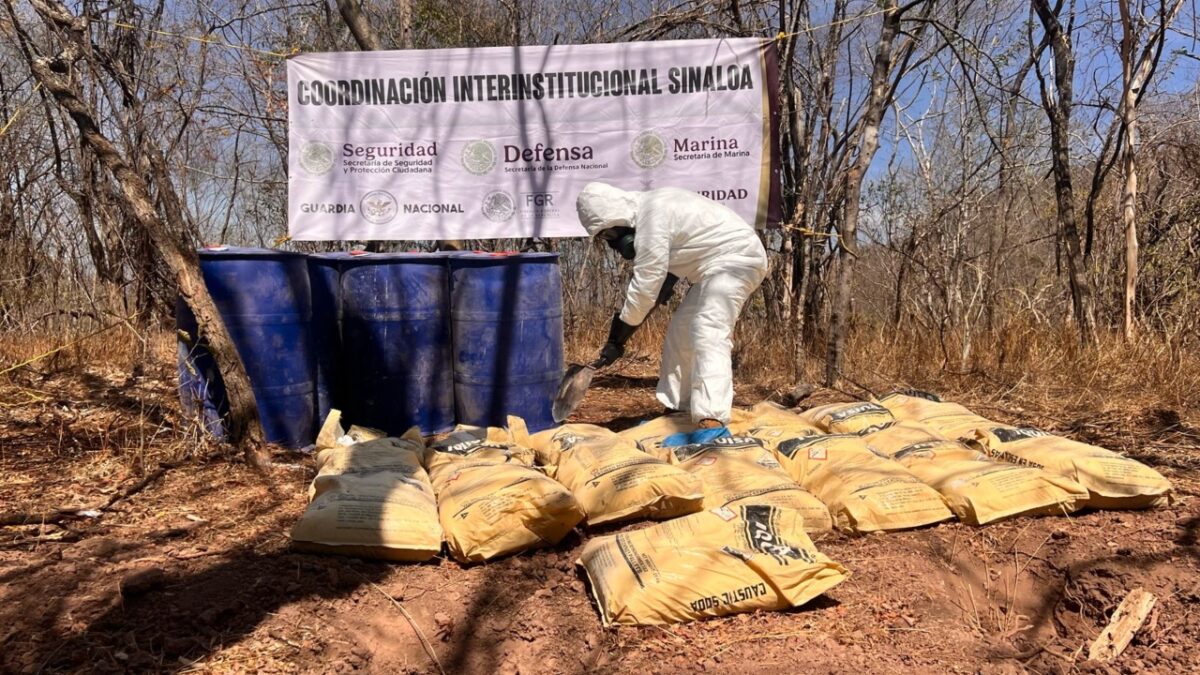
316 158
478 157
498 206
648 149
378 206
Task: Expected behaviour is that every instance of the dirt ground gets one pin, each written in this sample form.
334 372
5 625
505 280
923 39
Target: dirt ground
194 573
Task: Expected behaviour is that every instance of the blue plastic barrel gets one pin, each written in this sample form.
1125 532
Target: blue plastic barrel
396 342
324 278
508 337
264 300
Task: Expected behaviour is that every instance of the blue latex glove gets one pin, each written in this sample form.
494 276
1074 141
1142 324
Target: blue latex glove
695 437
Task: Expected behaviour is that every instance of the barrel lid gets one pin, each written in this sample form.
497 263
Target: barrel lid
502 257
222 251
370 258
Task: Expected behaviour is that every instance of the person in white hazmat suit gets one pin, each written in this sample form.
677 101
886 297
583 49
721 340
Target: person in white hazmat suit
673 234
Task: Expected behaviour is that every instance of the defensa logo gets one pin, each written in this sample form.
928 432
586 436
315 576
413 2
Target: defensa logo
478 157
648 149
498 206
316 158
547 153
378 206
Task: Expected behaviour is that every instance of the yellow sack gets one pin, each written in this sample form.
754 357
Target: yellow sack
711 563
648 436
948 419
1112 480
490 501
372 499
977 489
612 480
739 470
773 424
849 418
865 490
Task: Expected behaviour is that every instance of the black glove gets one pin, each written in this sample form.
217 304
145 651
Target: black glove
667 290
618 334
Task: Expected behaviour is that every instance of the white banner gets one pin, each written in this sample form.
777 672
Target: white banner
497 142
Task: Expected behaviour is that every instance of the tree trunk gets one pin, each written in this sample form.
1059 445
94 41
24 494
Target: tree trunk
1058 110
1129 164
54 75
366 37
1134 78
848 232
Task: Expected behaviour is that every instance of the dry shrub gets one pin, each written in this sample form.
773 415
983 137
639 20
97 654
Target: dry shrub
115 346
1022 364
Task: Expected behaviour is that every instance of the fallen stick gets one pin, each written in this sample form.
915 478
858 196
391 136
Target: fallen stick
411 621
58 515
1123 625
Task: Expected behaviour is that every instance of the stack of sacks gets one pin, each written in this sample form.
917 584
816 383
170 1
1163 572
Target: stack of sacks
849 418
611 479
978 489
865 490
1112 481
948 419
711 563
491 500
736 471
370 498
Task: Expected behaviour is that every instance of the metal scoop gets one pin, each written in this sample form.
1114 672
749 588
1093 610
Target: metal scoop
571 390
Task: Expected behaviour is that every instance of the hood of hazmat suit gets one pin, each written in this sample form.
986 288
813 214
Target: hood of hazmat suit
694 238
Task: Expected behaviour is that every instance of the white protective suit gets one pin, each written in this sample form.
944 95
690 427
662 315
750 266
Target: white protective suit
697 239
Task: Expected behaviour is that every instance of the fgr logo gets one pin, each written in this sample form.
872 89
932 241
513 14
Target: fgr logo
316 158
498 206
478 157
648 149
378 206
538 204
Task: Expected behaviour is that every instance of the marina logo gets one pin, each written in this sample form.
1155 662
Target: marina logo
478 157
498 206
316 158
648 149
378 206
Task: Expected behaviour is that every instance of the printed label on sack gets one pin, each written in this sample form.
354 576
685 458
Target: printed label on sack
725 513
762 534
467 448
791 446
856 410
735 442
1010 434
922 448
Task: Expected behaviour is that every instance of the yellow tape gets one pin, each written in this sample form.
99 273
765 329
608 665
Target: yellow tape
203 39
72 343
811 29
13 120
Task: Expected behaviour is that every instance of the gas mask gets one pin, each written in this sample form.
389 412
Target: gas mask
620 239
